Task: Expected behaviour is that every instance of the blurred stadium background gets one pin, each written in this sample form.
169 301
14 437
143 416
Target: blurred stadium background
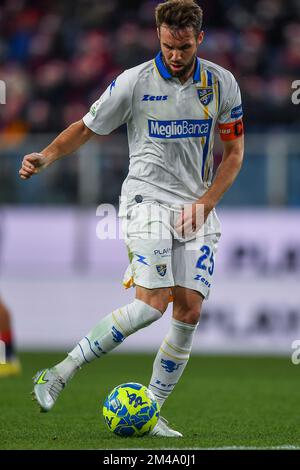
57 277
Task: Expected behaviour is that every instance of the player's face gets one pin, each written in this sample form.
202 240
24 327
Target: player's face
179 50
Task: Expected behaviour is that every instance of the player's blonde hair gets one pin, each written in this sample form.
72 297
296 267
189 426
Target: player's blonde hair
179 14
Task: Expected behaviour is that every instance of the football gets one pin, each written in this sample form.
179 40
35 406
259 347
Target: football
131 410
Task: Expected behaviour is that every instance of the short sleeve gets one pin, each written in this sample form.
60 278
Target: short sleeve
112 109
231 103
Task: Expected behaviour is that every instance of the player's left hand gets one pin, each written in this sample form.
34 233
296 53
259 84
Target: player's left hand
192 218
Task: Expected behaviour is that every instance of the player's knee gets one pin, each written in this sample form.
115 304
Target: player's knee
159 303
156 298
190 315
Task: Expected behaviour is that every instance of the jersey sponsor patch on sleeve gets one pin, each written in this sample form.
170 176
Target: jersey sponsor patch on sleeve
95 106
237 112
231 130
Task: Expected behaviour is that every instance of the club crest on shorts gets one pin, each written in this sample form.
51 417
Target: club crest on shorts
161 269
205 95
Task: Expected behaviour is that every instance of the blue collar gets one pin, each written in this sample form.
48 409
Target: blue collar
163 71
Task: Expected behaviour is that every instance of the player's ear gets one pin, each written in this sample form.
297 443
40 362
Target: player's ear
200 38
158 32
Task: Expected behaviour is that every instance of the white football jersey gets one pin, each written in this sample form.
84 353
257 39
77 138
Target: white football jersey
170 128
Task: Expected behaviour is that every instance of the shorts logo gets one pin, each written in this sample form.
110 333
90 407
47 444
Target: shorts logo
141 259
163 252
161 269
202 279
179 129
205 95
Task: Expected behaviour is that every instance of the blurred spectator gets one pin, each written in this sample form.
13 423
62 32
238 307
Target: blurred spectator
61 53
57 57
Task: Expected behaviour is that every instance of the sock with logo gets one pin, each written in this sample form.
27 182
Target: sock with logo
107 335
171 359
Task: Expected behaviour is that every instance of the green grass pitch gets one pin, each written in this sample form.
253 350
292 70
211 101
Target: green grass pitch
219 402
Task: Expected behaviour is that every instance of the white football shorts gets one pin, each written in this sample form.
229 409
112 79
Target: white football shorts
159 257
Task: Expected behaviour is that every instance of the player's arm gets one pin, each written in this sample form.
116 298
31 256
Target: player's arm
109 112
231 128
65 143
226 174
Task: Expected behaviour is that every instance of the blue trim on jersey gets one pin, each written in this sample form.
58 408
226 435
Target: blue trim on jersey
161 66
166 74
196 76
209 78
205 149
219 96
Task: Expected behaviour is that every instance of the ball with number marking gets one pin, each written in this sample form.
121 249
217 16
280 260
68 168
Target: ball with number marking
131 410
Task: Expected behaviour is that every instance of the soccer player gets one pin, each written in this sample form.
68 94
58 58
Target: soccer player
9 363
172 106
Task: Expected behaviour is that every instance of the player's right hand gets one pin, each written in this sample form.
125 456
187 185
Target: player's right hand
32 164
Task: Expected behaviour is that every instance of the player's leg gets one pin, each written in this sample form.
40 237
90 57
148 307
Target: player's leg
147 307
193 266
109 333
174 352
175 349
162 429
9 363
151 270
116 326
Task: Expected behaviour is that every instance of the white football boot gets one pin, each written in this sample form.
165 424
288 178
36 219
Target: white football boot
163 430
47 387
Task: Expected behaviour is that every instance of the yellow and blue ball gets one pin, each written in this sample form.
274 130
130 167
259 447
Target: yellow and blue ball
131 410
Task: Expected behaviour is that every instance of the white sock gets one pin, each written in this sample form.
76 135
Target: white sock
171 359
67 368
107 335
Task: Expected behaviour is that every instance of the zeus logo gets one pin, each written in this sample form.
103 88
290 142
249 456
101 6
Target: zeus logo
155 98
202 279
